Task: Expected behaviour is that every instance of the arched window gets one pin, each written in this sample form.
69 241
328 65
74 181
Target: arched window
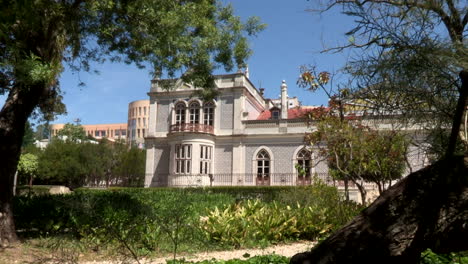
180 113
263 168
208 114
304 167
194 109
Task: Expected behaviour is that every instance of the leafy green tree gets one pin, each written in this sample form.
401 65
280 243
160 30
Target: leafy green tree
63 163
107 158
28 138
416 60
386 153
73 133
38 37
75 164
91 158
28 166
130 169
361 155
42 131
412 56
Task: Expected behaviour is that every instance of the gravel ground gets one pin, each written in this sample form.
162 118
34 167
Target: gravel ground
287 250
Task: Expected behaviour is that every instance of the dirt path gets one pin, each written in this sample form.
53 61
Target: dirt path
287 250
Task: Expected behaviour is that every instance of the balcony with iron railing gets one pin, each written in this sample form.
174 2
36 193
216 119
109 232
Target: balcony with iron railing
189 127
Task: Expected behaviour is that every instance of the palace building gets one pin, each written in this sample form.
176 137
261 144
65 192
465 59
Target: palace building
238 138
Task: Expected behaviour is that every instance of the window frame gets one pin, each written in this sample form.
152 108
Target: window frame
263 158
194 113
180 113
182 159
208 113
304 160
206 159
275 114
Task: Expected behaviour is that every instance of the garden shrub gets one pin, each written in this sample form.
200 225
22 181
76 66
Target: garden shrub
144 220
429 257
264 193
250 222
173 219
310 212
266 259
325 198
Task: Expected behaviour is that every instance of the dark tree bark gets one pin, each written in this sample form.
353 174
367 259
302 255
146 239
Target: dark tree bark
23 97
457 119
18 107
427 209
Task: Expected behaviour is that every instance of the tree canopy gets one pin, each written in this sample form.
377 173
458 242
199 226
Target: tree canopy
409 57
28 166
37 37
71 132
356 153
76 164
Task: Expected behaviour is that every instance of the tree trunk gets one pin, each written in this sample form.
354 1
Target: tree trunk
346 188
427 209
458 117
362 192
10 142
18 107
380 186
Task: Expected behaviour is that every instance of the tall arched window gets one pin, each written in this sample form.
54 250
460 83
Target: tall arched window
304 167
194 109
208 114
180 113
263 168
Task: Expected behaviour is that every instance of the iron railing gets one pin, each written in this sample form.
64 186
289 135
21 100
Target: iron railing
188 127
245 179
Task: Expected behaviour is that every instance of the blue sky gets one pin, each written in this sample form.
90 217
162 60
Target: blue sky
293 37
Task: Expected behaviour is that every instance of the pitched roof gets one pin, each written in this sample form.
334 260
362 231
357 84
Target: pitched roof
293 113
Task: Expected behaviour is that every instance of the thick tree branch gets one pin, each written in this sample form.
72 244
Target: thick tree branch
457 119
465 19
399 225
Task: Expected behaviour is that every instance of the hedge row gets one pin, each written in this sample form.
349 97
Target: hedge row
264 193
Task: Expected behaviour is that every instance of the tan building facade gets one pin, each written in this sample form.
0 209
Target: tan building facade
138 121
110 131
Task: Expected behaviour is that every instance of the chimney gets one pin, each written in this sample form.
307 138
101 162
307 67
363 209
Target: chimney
284 100
247 71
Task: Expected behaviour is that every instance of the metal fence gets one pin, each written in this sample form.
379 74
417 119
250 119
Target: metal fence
246 179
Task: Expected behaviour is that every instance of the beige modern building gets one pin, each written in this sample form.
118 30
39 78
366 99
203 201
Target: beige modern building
98 131
138 120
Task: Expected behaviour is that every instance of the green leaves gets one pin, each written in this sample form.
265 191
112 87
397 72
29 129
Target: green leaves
33 70
144 221
28 164
307 213
37 37
72 133
175 36
355 152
